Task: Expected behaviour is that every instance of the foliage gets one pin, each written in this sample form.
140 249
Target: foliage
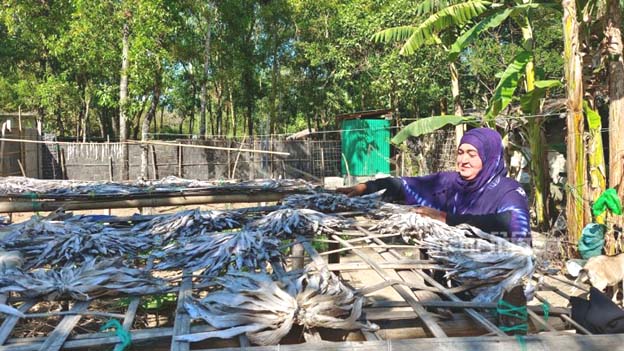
275 66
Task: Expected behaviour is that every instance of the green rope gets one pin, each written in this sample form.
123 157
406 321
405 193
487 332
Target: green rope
522 341
504 308
546 309
123 335
36 205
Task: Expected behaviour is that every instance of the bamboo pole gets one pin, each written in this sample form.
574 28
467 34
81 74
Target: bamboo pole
34 206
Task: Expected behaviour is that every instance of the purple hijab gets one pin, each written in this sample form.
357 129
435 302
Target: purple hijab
447 191
489 145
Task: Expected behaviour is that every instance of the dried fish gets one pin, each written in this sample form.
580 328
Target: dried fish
289 222
188 223
332 202
12 186
474 256
265 310
409 225
91 280
56 243
216 252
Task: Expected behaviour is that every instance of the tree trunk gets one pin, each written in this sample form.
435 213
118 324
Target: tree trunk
59 117
137 117
85 120
273 94
616 99
575 164
232 114
123 102
457 107
538 163
151 114
204 87
219 112
247 79
102 123
596 161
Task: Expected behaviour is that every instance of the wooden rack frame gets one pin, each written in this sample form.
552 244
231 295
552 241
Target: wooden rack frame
471 327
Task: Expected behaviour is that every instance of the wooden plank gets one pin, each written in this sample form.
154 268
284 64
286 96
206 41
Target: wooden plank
58 336
406 294
462 304
576 325
10 321
356 266
97 339
565 317
495 343
130 314
182 323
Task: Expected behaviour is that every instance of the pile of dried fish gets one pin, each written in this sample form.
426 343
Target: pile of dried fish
216 252
476 257
73 240
265 310
36 187
289 222
188 223
333 202
33 227
409 225
91 280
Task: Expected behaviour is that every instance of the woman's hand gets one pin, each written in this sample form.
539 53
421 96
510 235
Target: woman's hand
431 213
356 190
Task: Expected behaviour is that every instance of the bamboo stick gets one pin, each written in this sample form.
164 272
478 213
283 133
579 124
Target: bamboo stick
34 206
406 294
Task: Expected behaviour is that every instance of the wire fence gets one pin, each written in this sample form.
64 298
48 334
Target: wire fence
314 158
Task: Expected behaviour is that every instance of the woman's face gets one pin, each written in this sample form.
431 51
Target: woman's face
469 163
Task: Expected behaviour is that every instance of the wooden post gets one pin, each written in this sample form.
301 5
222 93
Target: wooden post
63 165
21 167
179 160
229 157
2 156
154 166
322 165
297 253
110 159
310 160
22 156
271 156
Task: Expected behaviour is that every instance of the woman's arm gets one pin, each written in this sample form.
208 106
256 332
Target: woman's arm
393 187
511 220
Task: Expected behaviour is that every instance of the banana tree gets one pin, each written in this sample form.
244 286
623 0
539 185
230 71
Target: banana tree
616 97
491 15
439 28
595 158
576 213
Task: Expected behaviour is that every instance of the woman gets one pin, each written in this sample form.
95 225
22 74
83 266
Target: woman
478 193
